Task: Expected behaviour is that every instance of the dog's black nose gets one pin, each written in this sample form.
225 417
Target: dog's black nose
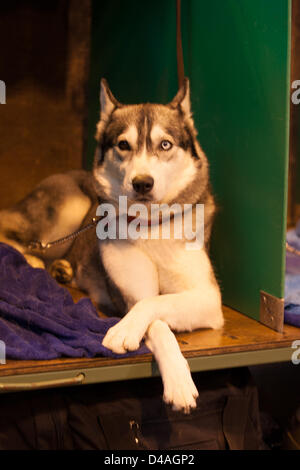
143 184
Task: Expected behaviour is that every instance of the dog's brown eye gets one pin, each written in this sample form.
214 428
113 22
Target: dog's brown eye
166 145
123 145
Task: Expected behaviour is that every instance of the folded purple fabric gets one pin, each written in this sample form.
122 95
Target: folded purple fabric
39 320
292 280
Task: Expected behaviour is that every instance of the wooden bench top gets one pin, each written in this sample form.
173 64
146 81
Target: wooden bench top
239 337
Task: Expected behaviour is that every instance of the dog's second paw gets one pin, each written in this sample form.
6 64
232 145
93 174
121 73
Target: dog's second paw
61 270
129 332
124 336
179 389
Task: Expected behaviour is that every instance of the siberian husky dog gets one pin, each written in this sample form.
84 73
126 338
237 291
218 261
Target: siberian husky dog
150 154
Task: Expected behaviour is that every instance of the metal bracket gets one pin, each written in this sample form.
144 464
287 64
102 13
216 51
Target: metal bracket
271 311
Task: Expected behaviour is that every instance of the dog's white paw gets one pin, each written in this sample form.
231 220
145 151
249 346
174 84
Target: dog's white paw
179 388
125 335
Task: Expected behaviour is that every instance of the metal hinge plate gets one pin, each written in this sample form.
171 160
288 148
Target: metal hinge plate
271 311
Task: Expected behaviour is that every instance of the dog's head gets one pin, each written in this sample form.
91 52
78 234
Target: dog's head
149 152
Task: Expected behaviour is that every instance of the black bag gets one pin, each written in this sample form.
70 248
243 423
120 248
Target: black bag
131 415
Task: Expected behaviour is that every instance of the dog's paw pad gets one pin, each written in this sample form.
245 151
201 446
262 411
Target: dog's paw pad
126 335
182 400
116 348
131 344
120 340
180 391
62 271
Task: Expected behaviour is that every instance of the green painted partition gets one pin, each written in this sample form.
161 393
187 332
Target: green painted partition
237 56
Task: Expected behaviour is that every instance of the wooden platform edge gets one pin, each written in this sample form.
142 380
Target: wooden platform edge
130 371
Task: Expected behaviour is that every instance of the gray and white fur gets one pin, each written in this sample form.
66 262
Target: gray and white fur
149 153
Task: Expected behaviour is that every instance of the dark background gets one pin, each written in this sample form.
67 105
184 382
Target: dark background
44 56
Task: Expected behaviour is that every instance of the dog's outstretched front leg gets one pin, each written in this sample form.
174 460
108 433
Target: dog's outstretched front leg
184 311
197 305
179 388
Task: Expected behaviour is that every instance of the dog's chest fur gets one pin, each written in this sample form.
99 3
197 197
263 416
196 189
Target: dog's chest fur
153 266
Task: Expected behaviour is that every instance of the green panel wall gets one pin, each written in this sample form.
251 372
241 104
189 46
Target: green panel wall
239 67
237 58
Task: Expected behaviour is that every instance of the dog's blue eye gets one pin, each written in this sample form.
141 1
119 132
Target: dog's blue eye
166 145
123 145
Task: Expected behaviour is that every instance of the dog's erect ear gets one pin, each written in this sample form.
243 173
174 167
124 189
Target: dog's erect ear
182 99
107 100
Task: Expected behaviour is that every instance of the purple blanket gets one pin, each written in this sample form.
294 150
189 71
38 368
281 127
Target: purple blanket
292 280
38 318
